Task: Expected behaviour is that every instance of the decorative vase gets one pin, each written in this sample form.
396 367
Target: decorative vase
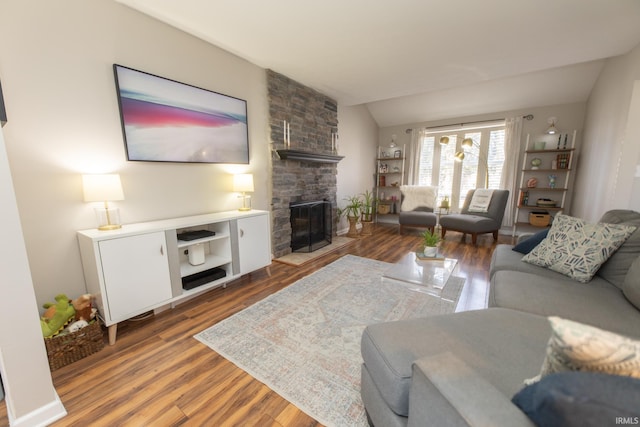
353 231
430 251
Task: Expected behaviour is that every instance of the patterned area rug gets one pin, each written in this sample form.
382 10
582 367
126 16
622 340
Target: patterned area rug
303 342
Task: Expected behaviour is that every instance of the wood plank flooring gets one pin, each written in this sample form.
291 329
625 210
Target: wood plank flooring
158 375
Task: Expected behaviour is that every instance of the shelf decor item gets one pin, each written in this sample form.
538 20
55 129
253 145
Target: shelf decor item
535 163
104 188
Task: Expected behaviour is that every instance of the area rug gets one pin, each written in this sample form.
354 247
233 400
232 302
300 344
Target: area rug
300 258
303 342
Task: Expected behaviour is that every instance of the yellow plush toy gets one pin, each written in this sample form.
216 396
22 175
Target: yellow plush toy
56 316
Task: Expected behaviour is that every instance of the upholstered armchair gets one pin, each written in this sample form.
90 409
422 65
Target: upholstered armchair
479 215
417 205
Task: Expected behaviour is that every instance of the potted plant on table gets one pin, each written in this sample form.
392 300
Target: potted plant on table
352 212
430 240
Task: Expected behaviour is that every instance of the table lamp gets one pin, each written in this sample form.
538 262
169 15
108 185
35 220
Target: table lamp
104 188
243 182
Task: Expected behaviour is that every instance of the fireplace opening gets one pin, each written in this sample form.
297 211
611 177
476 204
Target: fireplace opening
310 225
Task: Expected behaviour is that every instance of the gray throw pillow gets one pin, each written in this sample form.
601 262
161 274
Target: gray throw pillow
631 285
615 269
576 248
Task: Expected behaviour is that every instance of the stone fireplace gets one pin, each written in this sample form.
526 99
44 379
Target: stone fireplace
306 170
311 225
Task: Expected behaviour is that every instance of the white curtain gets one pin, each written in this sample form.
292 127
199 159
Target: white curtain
509 180
413 177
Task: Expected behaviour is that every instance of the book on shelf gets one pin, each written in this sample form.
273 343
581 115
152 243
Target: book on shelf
563 160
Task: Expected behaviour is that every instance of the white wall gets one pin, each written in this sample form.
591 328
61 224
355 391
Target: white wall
56 71
611 144
358 139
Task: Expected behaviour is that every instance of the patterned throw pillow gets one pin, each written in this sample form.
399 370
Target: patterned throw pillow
576 248
577 347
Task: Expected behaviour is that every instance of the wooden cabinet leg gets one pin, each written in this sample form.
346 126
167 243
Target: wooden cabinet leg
113 330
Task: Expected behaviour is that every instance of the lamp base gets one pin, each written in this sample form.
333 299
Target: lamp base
107 227
108 219
243 209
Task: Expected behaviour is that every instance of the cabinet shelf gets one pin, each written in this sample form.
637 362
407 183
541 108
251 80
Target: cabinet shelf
547 170
542 208
210 261
543 189
551 150
187 243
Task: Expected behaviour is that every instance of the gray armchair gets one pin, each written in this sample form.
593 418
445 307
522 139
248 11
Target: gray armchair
416 207
475 223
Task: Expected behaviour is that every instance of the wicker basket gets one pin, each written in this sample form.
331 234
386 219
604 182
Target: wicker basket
539 219
384 208
65 349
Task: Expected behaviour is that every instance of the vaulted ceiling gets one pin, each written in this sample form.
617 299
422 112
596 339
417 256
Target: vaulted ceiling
418 60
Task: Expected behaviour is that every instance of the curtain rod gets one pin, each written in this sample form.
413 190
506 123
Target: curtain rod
527 117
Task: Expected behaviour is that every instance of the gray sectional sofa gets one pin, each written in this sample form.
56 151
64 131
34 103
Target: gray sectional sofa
463 369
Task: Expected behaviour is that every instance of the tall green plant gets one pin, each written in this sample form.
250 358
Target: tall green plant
353 207
367 205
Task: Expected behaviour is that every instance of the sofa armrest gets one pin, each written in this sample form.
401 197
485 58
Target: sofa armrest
446 391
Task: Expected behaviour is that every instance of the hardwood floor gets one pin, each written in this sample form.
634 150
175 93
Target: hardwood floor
158 375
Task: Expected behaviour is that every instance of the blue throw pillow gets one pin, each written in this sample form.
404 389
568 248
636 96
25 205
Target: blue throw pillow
581 399
528 244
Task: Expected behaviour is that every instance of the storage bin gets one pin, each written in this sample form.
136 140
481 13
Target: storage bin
65 349
539 219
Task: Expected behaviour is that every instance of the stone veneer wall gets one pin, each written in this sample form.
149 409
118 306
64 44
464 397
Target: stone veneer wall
313 117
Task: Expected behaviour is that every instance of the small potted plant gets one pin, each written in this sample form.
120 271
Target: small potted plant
430 241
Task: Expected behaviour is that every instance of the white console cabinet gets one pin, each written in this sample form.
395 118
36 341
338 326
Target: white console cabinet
143 266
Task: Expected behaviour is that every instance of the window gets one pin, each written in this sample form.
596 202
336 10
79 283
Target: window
482 161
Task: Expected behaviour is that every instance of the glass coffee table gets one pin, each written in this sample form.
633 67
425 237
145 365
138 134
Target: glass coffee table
424 275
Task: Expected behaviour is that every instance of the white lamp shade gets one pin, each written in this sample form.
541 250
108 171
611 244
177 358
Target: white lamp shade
102 188
243 182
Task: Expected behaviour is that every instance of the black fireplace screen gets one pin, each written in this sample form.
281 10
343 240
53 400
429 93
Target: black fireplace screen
310 225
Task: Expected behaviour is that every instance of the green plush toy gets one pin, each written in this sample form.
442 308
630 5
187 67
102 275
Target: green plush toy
56 316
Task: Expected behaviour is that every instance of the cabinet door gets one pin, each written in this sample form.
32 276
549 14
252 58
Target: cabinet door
254 243
136 274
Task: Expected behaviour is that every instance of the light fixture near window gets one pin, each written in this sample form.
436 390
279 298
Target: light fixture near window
444 140
459 157
552 126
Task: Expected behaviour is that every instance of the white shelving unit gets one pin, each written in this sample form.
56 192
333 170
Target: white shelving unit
390 166
557 158
143 266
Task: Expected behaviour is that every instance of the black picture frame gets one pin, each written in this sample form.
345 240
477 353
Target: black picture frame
164 120
397 154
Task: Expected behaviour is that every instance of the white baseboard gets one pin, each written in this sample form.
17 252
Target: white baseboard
42 416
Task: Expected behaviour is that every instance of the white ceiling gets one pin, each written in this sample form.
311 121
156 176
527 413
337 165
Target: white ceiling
419 60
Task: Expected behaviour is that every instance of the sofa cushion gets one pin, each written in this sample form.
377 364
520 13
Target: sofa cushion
504 258
631 284
576 248
575 346
599 304
615 269
580 399
491 341
527 245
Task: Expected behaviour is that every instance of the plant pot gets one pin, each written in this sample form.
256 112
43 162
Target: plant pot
430 251
367 228
353 230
